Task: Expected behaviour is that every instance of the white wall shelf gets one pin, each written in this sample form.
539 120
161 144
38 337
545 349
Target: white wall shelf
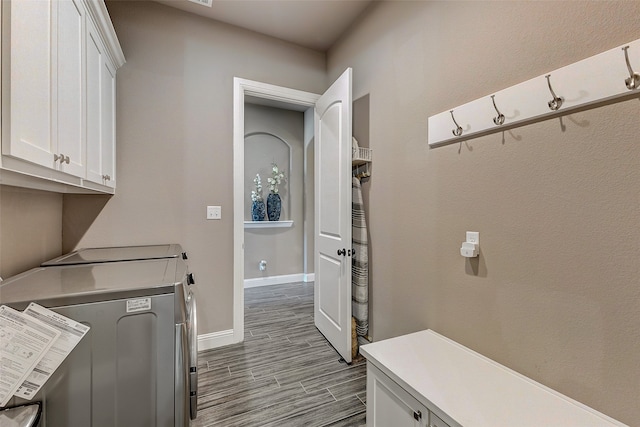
361 160
268 224
361 155
593 82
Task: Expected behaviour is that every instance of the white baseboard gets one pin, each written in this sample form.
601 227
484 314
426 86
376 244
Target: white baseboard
276 280
215 340
310 277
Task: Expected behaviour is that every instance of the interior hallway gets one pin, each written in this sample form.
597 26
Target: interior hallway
285 373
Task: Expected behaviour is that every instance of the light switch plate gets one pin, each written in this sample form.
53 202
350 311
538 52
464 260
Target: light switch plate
214 212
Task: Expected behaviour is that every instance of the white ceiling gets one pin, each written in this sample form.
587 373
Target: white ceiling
316 24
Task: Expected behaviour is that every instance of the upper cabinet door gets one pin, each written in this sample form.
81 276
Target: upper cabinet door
108 120
30 82
101 77
95 58
70 78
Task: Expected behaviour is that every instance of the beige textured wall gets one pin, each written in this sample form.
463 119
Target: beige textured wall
556 290
282 248
30 228
175 140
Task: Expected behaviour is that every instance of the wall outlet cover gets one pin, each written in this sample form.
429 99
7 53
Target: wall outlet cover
214 212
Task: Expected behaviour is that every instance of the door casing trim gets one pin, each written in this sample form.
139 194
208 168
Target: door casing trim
276 94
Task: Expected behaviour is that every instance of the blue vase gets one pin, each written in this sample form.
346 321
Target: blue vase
257 211
274 206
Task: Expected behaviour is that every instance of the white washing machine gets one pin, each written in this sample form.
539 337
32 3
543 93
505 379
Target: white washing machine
133 367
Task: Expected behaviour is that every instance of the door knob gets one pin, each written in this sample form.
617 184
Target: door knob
342 251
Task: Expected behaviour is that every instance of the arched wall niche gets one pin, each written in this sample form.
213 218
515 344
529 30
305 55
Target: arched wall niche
262 150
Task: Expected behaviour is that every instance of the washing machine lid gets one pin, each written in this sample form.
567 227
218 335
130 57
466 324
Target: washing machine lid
117 254
88 283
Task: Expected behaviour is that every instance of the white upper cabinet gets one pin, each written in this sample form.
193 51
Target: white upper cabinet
59 109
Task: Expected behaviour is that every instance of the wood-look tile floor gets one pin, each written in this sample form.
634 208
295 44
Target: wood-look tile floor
285 373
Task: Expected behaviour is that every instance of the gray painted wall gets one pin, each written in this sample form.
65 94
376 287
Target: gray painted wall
175 140
30 228
282 248
555 292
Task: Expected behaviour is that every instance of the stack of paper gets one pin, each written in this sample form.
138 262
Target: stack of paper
33 344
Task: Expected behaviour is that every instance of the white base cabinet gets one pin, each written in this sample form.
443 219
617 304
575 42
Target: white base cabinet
59 59
424 379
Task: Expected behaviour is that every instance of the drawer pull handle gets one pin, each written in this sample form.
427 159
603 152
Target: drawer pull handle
417 415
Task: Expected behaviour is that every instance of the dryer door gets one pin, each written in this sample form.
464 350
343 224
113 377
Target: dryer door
192 330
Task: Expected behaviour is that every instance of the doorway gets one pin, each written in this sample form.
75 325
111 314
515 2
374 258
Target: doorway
274 240
284 98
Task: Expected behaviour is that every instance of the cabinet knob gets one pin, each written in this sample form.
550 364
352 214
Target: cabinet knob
417 415
62 158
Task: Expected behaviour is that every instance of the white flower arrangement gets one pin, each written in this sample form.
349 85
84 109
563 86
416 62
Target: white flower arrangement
256 195
277 177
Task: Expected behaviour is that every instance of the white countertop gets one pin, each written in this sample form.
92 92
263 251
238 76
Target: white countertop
472 389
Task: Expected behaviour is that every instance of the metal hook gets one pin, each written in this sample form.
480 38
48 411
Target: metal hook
458 130
499 120
556 102
633 81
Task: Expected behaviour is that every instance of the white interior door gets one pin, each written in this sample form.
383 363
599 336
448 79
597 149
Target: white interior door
332 145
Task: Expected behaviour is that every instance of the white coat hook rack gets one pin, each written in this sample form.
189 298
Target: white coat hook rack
599 80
